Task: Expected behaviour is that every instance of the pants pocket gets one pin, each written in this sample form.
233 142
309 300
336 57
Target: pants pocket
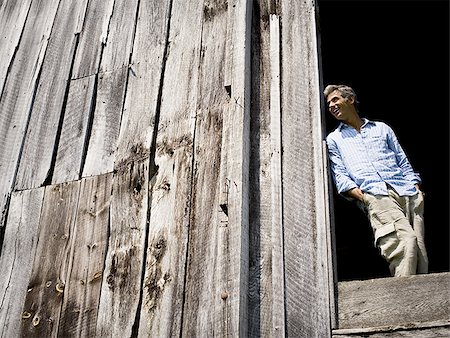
383 231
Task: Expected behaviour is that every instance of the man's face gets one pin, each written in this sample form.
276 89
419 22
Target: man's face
341 108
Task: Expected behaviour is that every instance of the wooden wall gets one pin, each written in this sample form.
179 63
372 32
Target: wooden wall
162 170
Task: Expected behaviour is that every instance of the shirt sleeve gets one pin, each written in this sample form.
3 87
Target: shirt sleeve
339 172
401 158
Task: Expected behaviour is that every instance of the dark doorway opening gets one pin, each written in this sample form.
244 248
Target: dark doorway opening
395 54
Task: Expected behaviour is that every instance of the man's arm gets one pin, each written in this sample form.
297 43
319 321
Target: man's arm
339 171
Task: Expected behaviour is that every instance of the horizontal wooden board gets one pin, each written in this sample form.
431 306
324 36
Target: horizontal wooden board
422 332
394 301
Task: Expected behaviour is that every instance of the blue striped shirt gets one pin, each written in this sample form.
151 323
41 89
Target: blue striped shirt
370 159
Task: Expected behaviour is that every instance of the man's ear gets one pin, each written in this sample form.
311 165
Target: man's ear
351 99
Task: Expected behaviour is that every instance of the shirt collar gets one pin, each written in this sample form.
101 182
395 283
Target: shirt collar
342 125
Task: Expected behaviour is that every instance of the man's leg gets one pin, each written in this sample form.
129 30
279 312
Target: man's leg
415 208
393 234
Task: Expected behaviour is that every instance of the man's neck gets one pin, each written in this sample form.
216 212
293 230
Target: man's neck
355 122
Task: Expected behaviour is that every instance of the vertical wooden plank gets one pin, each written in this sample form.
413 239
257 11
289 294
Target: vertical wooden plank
18 92
203 313
234 250
92 38
331 238
89 245
162 303
277 292
69 156
261 299
36 159
16 261
305 223
12 22
101 149
134 145
145 76
228 67
46 287
112 85
122 276
119 41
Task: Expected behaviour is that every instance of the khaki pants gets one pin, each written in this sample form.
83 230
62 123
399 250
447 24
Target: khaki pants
398 227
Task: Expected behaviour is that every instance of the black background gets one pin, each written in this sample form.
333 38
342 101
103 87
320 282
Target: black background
395 54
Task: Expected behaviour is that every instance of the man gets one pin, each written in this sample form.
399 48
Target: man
369 166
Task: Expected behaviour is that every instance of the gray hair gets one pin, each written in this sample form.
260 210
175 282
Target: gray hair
346 92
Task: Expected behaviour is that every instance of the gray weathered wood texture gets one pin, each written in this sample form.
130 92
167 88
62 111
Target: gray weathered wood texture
163 174
395 301
12 20
304 211
75 130
17 257
47 109
18 92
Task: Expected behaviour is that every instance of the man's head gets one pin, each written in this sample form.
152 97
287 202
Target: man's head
341 100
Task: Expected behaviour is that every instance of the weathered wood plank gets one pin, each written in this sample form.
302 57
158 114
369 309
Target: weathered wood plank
122 276
116 56
36 161
46 287
277 284
331 239
260 265
18 92
306 230
394 301
89 245
74 133
12 21
233 239
162 304
205 305
101 149
17 257
92 38
143 88
119 42
412 330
